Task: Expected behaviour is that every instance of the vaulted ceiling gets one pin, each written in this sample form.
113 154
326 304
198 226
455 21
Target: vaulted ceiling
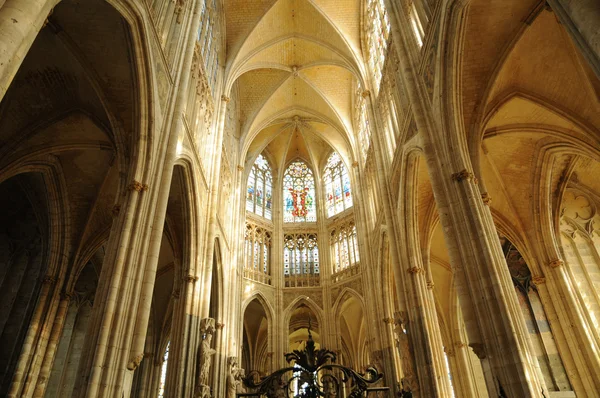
295 65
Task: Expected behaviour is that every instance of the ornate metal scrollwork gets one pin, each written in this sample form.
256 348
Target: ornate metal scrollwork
312 373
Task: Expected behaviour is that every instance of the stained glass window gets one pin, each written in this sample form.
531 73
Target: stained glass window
163 372
259 194
299 194
344 247
378 32
338 195
300 254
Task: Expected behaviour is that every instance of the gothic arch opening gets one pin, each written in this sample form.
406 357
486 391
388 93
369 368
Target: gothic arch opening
255 339
24 223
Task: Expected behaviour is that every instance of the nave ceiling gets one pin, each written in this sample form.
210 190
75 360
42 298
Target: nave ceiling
295 65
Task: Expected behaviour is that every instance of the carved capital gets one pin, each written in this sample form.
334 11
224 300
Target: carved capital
460 344
135 362
463 175
365 93
388 320
538 280
176 294
430 285
354 164
449 351
137 186
556 263
269 354
66 296
486 198
116 210
225 99
219 325
190 278
49 280
479 350
415 270
240 168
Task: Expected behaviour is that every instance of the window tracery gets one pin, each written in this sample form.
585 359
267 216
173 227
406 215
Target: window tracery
338 194
378 32
344 247
163 372
361 121
257 254
301 259
299 194
208 39
259 193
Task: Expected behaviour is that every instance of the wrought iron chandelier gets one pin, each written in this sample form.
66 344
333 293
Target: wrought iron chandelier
313 373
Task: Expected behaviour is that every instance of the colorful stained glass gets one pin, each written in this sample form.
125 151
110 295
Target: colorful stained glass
259 189
338 194
299 194
163 373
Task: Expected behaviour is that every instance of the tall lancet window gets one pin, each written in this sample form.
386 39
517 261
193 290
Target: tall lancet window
337 185
378 33
259 193
163 372
299 194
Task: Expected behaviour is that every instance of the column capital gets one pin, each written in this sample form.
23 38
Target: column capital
135 362
538 280
556 263
415 270
462 175
486 198
137 186
225 98
479 350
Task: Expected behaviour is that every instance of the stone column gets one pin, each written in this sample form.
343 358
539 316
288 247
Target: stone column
495 326
54 339
20 23
40 321
180 362
581 18
406 269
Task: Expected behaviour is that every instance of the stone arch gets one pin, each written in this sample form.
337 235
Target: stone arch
308 302
25 278
254 353
353 335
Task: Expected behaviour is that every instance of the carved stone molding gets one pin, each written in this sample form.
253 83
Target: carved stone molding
116 210
556 263
137 186
365 93
449 351
463 175
175 294
219 325
430 285
479 350
135 362
388 320
225 99
538 280
486 198
460 344
415 270
190 278
240 167
354 164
